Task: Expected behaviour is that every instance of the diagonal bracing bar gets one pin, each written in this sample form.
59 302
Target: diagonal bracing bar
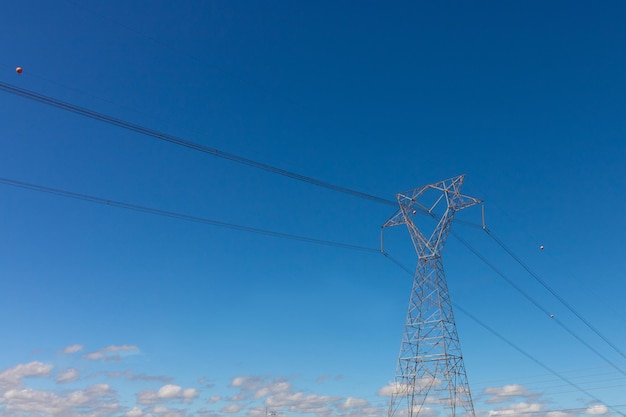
430 375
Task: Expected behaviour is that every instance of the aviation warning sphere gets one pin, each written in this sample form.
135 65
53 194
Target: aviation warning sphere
18 70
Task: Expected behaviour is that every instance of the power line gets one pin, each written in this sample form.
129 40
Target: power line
568 371
532 358
196 146
159 212
552 291
536 303
31 95
270 168
547 379
564 410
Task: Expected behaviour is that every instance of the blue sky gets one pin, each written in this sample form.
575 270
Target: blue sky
108 311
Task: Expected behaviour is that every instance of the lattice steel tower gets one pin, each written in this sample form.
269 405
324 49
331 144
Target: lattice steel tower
430 375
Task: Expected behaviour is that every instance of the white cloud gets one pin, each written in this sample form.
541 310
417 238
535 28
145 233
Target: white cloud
99 399
387 390
279 395
169 391
167 412
67 375
557 414
203 412
253 394
72 349
353 403
514 409
13 377
597 410
398 388
248 383
166 393
135 412
111 353
506 392
232 408
272 388
426 412
299 400
189 394
239 396
147 397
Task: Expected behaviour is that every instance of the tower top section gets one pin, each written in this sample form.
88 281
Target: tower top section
440 200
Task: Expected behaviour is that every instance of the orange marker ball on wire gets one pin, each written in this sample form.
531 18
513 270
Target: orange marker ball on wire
18 70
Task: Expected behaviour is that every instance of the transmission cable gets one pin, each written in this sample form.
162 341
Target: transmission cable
236 158
270 168
159 212
547 412
182 216
532 358
547 381
535 303
552 291
63 105
186 143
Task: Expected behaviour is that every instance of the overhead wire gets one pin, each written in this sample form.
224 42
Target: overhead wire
591 385
552 291
182 216
273 169
548 379
63 105
159 212
532 358
31 95
267 167
593 388
237 158
507 412
534 302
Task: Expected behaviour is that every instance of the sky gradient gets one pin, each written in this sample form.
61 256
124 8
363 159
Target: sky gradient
115 312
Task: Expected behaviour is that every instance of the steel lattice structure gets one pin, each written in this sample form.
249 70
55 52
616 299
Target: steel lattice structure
430 374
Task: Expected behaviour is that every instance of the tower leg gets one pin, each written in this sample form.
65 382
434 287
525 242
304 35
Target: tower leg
430 374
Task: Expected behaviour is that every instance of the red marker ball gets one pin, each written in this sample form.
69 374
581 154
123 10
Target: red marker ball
18 70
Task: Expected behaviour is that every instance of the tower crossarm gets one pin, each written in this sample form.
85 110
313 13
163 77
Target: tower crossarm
444 195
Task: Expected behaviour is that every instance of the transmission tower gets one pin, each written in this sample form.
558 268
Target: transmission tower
430 375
